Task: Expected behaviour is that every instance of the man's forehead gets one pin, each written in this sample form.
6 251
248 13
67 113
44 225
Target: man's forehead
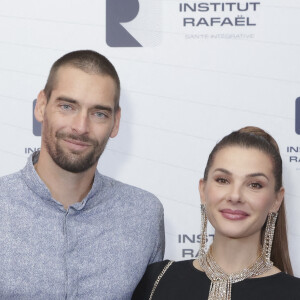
73 83
72 70
69 75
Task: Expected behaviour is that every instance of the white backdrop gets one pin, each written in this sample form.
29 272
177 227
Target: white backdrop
183 91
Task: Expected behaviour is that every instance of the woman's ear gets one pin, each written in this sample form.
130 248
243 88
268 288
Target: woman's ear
40 106
278 200
201 190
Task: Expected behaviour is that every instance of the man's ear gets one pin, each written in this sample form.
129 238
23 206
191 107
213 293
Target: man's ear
117 118
40 106
201 190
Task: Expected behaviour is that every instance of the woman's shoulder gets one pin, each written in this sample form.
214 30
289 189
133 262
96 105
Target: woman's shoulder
171 268
276 286
289 280
153 270
144 288
292 284
163 269
281 278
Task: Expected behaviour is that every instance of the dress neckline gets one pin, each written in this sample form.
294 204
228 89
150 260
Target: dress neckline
251 279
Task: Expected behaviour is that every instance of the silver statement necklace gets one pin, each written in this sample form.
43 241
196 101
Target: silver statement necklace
221 283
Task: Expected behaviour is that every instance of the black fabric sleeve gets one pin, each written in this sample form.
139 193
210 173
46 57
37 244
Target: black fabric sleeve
144 288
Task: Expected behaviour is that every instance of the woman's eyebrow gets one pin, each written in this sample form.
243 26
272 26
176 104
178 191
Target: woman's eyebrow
223 171
248 175
258 174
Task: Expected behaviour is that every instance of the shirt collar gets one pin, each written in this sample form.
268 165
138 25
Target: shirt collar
35 183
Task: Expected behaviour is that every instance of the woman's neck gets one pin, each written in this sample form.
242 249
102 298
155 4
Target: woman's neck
234 255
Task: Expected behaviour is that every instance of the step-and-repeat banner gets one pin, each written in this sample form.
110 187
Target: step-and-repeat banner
191 72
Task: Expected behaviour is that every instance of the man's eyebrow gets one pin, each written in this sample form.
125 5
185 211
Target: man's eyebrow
103 107
66 99
73 101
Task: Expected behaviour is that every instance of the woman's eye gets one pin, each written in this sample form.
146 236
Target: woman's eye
255 185
221 180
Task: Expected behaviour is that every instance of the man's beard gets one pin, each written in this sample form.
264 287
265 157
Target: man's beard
73 161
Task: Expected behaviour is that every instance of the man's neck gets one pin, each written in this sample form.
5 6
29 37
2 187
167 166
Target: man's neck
65 187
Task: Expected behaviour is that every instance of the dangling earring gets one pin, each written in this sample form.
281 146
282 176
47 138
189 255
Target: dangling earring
269 234
203 240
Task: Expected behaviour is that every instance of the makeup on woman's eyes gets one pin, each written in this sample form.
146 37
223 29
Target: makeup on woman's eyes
255 185
221 176
253 180
221 180
258 181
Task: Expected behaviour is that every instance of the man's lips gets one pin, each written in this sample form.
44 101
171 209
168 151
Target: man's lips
234 214
76 145
77 142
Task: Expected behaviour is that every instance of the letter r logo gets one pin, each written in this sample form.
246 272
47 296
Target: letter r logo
297 116
117 12
133 23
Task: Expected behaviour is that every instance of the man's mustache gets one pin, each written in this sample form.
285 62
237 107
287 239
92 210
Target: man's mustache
81 138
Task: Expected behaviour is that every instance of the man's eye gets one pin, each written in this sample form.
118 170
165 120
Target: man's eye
221 180
100 115
255 185
66 107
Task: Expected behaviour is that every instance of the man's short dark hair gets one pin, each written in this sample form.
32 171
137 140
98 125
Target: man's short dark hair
88 61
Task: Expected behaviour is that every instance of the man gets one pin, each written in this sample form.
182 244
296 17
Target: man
68 232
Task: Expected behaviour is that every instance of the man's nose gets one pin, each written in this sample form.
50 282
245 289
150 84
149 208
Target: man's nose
80 123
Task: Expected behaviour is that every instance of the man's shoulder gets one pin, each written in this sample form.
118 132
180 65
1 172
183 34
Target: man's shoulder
130 193
11 186
9 180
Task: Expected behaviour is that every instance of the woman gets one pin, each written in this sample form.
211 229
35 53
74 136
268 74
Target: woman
242 197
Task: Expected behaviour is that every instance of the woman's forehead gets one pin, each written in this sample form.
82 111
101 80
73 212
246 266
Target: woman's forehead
244 159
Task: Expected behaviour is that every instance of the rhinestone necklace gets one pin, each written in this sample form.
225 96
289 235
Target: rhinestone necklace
221 283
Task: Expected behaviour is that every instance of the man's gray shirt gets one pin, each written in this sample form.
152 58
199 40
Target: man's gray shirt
97 249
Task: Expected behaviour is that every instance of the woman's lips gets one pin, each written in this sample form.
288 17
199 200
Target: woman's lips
234 214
